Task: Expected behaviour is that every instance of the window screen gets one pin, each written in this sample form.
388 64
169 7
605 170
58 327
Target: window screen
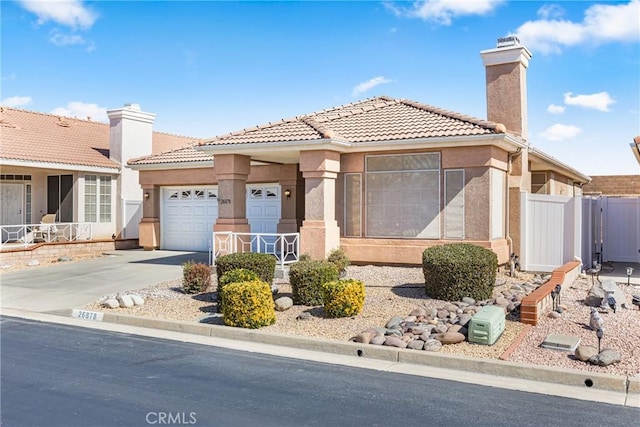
352 205
454 204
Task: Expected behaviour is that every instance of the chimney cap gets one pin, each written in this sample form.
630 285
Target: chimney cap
508 41
132 106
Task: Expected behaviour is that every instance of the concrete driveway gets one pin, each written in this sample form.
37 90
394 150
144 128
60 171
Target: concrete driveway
75 284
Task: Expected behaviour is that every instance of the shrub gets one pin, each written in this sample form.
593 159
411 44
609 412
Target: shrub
307 278
343 298
304 257
338 258
264 265
458 270
248 305
234 276
196 277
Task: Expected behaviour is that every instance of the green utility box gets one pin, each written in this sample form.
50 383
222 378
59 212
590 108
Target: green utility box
486 326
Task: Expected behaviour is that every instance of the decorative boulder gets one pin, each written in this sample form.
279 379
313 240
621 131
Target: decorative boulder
283 303
432 345
585 352
111 303
395 342
450 338
606 357
125 301
137 299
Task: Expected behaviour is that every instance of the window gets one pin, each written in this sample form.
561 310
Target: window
97 198
539 183
28 204
352 205
454 204
60 197
403 196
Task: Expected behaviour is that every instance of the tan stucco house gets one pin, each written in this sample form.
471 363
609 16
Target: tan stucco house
381 178
73 168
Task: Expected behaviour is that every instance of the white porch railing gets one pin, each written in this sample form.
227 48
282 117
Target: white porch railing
28 234
284 246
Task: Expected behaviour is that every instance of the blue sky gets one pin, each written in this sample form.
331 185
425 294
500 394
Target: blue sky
208 68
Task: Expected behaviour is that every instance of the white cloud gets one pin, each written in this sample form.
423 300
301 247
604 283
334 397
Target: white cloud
70 13
560 132
61 40
82 110
16 101
601 24
369 84
598 101
556 109
442 12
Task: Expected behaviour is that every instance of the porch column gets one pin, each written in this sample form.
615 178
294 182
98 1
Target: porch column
292 205
231 172
519 180
149 229
320 232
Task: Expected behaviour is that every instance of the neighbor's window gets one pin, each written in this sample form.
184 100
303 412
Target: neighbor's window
403 195
539 183
97 198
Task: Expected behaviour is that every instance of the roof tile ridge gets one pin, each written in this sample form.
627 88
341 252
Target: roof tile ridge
496 127
58 116
220 138
350 104
322 129
388 101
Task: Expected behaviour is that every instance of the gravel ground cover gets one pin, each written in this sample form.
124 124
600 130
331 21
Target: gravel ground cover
396 291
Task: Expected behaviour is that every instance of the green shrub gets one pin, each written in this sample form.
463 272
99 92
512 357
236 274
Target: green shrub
196 277
343 298
304 257
458 270
338 258
248 305
306 279
234 276
264 265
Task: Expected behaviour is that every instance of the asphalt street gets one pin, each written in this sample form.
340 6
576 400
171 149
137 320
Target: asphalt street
58 375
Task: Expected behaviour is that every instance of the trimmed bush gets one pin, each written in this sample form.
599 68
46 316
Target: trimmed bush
306 279
458 270
338 258
196 277
234 276
248 305
264 265
343 298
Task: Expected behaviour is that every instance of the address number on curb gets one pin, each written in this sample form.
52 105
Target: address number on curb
87 315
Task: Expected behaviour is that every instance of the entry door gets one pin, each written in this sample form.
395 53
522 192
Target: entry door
621 234
11 203
263 207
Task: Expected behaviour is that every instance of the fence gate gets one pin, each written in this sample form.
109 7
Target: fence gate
551 231
613 230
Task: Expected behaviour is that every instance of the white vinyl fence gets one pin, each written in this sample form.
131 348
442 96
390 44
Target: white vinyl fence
131 218
550 231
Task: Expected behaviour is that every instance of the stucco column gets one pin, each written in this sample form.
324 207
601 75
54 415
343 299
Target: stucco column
320 232
231 172
292 197
149 229
519 180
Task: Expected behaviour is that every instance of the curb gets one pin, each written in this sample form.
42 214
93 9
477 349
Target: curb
629 386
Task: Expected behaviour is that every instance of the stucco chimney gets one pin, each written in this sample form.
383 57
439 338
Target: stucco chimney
506 74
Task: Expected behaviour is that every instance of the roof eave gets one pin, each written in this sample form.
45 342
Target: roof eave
62 166
559 166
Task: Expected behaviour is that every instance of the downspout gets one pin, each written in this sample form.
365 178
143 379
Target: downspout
506 219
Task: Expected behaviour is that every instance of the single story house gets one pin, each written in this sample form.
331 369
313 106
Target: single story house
73 169
381 178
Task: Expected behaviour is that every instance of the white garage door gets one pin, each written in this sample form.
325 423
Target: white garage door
188 215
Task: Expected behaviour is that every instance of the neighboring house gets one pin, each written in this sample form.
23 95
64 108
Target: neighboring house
381 178
73 168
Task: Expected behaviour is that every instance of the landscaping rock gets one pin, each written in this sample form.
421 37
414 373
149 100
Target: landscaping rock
274 289
464 319
585 352
450 338
432 345
305 315
451 307
440 328
111 303
606 357
394 321
395 342
443 314
393 332
468 300
432 312
65 258
283 303
418 312
378 340
410 319
554 315
137 299
124 300
416 345
363 338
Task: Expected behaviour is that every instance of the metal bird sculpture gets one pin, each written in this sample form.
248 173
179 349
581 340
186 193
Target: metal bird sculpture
596 322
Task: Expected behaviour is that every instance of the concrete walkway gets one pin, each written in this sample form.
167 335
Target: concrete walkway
76 284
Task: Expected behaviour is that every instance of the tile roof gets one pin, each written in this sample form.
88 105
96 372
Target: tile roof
46 138
374 119
181 155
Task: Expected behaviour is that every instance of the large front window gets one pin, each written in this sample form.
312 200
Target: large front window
97 198
403 196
